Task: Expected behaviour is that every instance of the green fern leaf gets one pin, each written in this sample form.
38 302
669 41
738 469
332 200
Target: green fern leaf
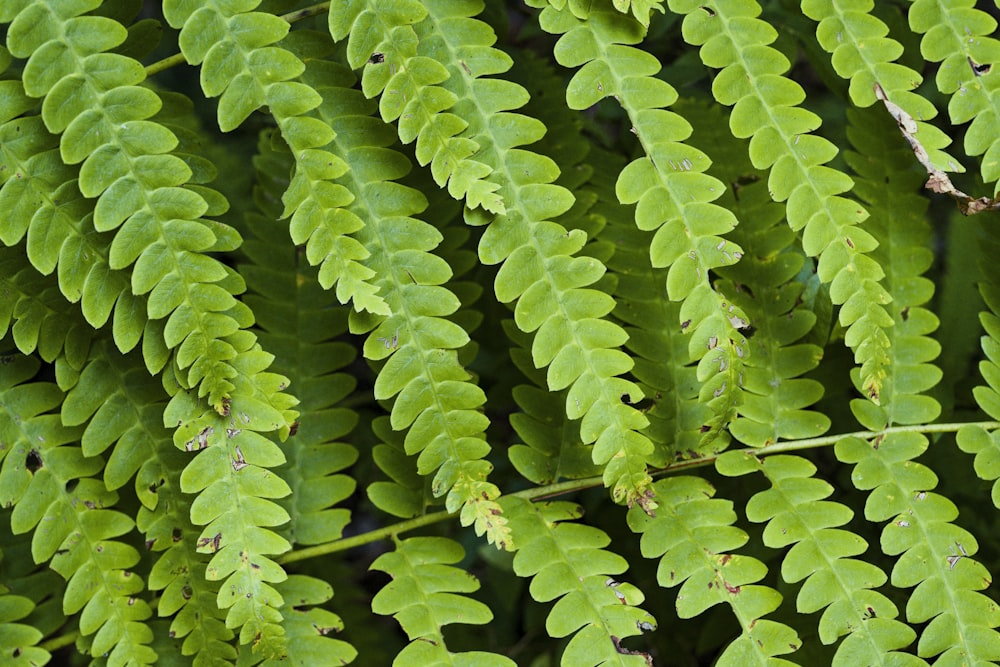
81 529
383 40
238 60
775 396
568 563
539 271
425 595
920 528
31 309
292 309
17 640
687 238
863 54
765 109
552 449
235 502
160 231
797 514
692 534
957 35
433 398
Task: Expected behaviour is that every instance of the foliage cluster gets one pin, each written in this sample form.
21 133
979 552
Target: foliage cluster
542 328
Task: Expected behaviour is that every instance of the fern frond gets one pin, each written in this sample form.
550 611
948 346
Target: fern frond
974 439
957 35
798 514
433 396
55 488
568 563
308 625
236 493
18 641
121 406
932 550
31 309
862 53
549 448
240 61
673 194
298 324
550 285
92 100
692 535
677 419
552 448
25 596
766 109
42 200
425 595
935 555
899 225
767 284
382 38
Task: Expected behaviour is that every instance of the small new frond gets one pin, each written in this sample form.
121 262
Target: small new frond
957 35
673 195
568 563
692 535
425 595
766 109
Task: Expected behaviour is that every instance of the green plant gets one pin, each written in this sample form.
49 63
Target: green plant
593 278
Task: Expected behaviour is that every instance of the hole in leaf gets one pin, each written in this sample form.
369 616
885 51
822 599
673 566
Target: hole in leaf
33 461
979 70
377 58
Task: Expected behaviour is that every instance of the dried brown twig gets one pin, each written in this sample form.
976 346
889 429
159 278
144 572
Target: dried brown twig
938 180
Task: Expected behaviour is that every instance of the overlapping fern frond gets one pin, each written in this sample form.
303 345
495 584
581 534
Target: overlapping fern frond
415 332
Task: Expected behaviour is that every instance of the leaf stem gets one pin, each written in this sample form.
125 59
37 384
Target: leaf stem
563 488
58 642
291 17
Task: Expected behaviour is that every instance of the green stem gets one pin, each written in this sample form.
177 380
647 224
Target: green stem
292 17
57 643
562 488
